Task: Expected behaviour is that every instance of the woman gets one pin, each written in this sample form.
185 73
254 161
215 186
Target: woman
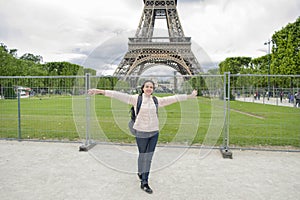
146 123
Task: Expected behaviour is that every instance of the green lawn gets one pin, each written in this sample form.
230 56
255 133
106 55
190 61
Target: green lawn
45 118
250 124
259 124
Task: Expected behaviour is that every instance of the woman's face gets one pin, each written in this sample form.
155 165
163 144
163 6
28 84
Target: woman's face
148 88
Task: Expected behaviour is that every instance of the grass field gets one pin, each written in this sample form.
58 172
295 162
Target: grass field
250 124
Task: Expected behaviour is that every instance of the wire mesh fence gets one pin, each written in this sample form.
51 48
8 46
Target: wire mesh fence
275 90
37 108
263 110
271 116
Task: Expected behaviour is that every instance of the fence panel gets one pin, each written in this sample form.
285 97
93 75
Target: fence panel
263 112
179 123
45 108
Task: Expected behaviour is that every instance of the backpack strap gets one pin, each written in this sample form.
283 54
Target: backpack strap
139 103
156 103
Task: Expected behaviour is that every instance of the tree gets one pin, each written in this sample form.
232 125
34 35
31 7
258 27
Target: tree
285 51
284 58
7 62
199 84
90 71
13 52
31 57
213 71
3 47
9 92
62 69
260 65
234 65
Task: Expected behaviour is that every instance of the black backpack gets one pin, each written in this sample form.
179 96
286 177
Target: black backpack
138 106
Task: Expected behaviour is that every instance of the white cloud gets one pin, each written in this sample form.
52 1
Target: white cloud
239 27
69 30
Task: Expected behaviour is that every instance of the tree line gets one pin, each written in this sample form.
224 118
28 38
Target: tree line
32 65
284 58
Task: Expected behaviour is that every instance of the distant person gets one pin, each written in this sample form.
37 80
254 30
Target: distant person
281 96
289 97
146 123
292 98
268 95
297 98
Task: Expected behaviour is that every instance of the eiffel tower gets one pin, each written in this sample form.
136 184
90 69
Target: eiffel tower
146 51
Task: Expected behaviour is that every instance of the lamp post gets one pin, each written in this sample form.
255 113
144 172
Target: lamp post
269 48
175 82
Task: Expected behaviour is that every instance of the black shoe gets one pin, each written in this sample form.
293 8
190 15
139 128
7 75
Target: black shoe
140 176
146 188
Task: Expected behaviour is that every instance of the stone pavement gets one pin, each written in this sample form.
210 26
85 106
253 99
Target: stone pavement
41 170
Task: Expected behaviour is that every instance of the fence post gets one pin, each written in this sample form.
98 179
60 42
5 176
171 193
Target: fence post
19 115
226 153
88 144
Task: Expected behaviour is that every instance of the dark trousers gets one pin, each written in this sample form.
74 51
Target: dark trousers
146 146
297 102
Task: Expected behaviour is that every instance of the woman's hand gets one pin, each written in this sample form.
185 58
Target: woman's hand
95 91
193 94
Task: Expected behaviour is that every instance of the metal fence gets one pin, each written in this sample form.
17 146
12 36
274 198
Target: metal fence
37 108
262 111
280 90
274 123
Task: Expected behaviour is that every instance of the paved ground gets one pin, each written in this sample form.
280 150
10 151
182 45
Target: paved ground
34 170
271 101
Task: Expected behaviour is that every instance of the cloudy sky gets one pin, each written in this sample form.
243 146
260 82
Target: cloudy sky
77 30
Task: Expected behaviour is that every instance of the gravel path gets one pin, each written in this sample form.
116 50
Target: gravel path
37 170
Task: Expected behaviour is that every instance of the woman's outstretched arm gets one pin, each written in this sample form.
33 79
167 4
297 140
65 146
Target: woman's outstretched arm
164 101
193 94
124 97
96 91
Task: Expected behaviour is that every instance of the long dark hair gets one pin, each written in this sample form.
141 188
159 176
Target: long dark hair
147 81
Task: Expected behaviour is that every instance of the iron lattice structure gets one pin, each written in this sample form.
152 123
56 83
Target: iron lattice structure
146 51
